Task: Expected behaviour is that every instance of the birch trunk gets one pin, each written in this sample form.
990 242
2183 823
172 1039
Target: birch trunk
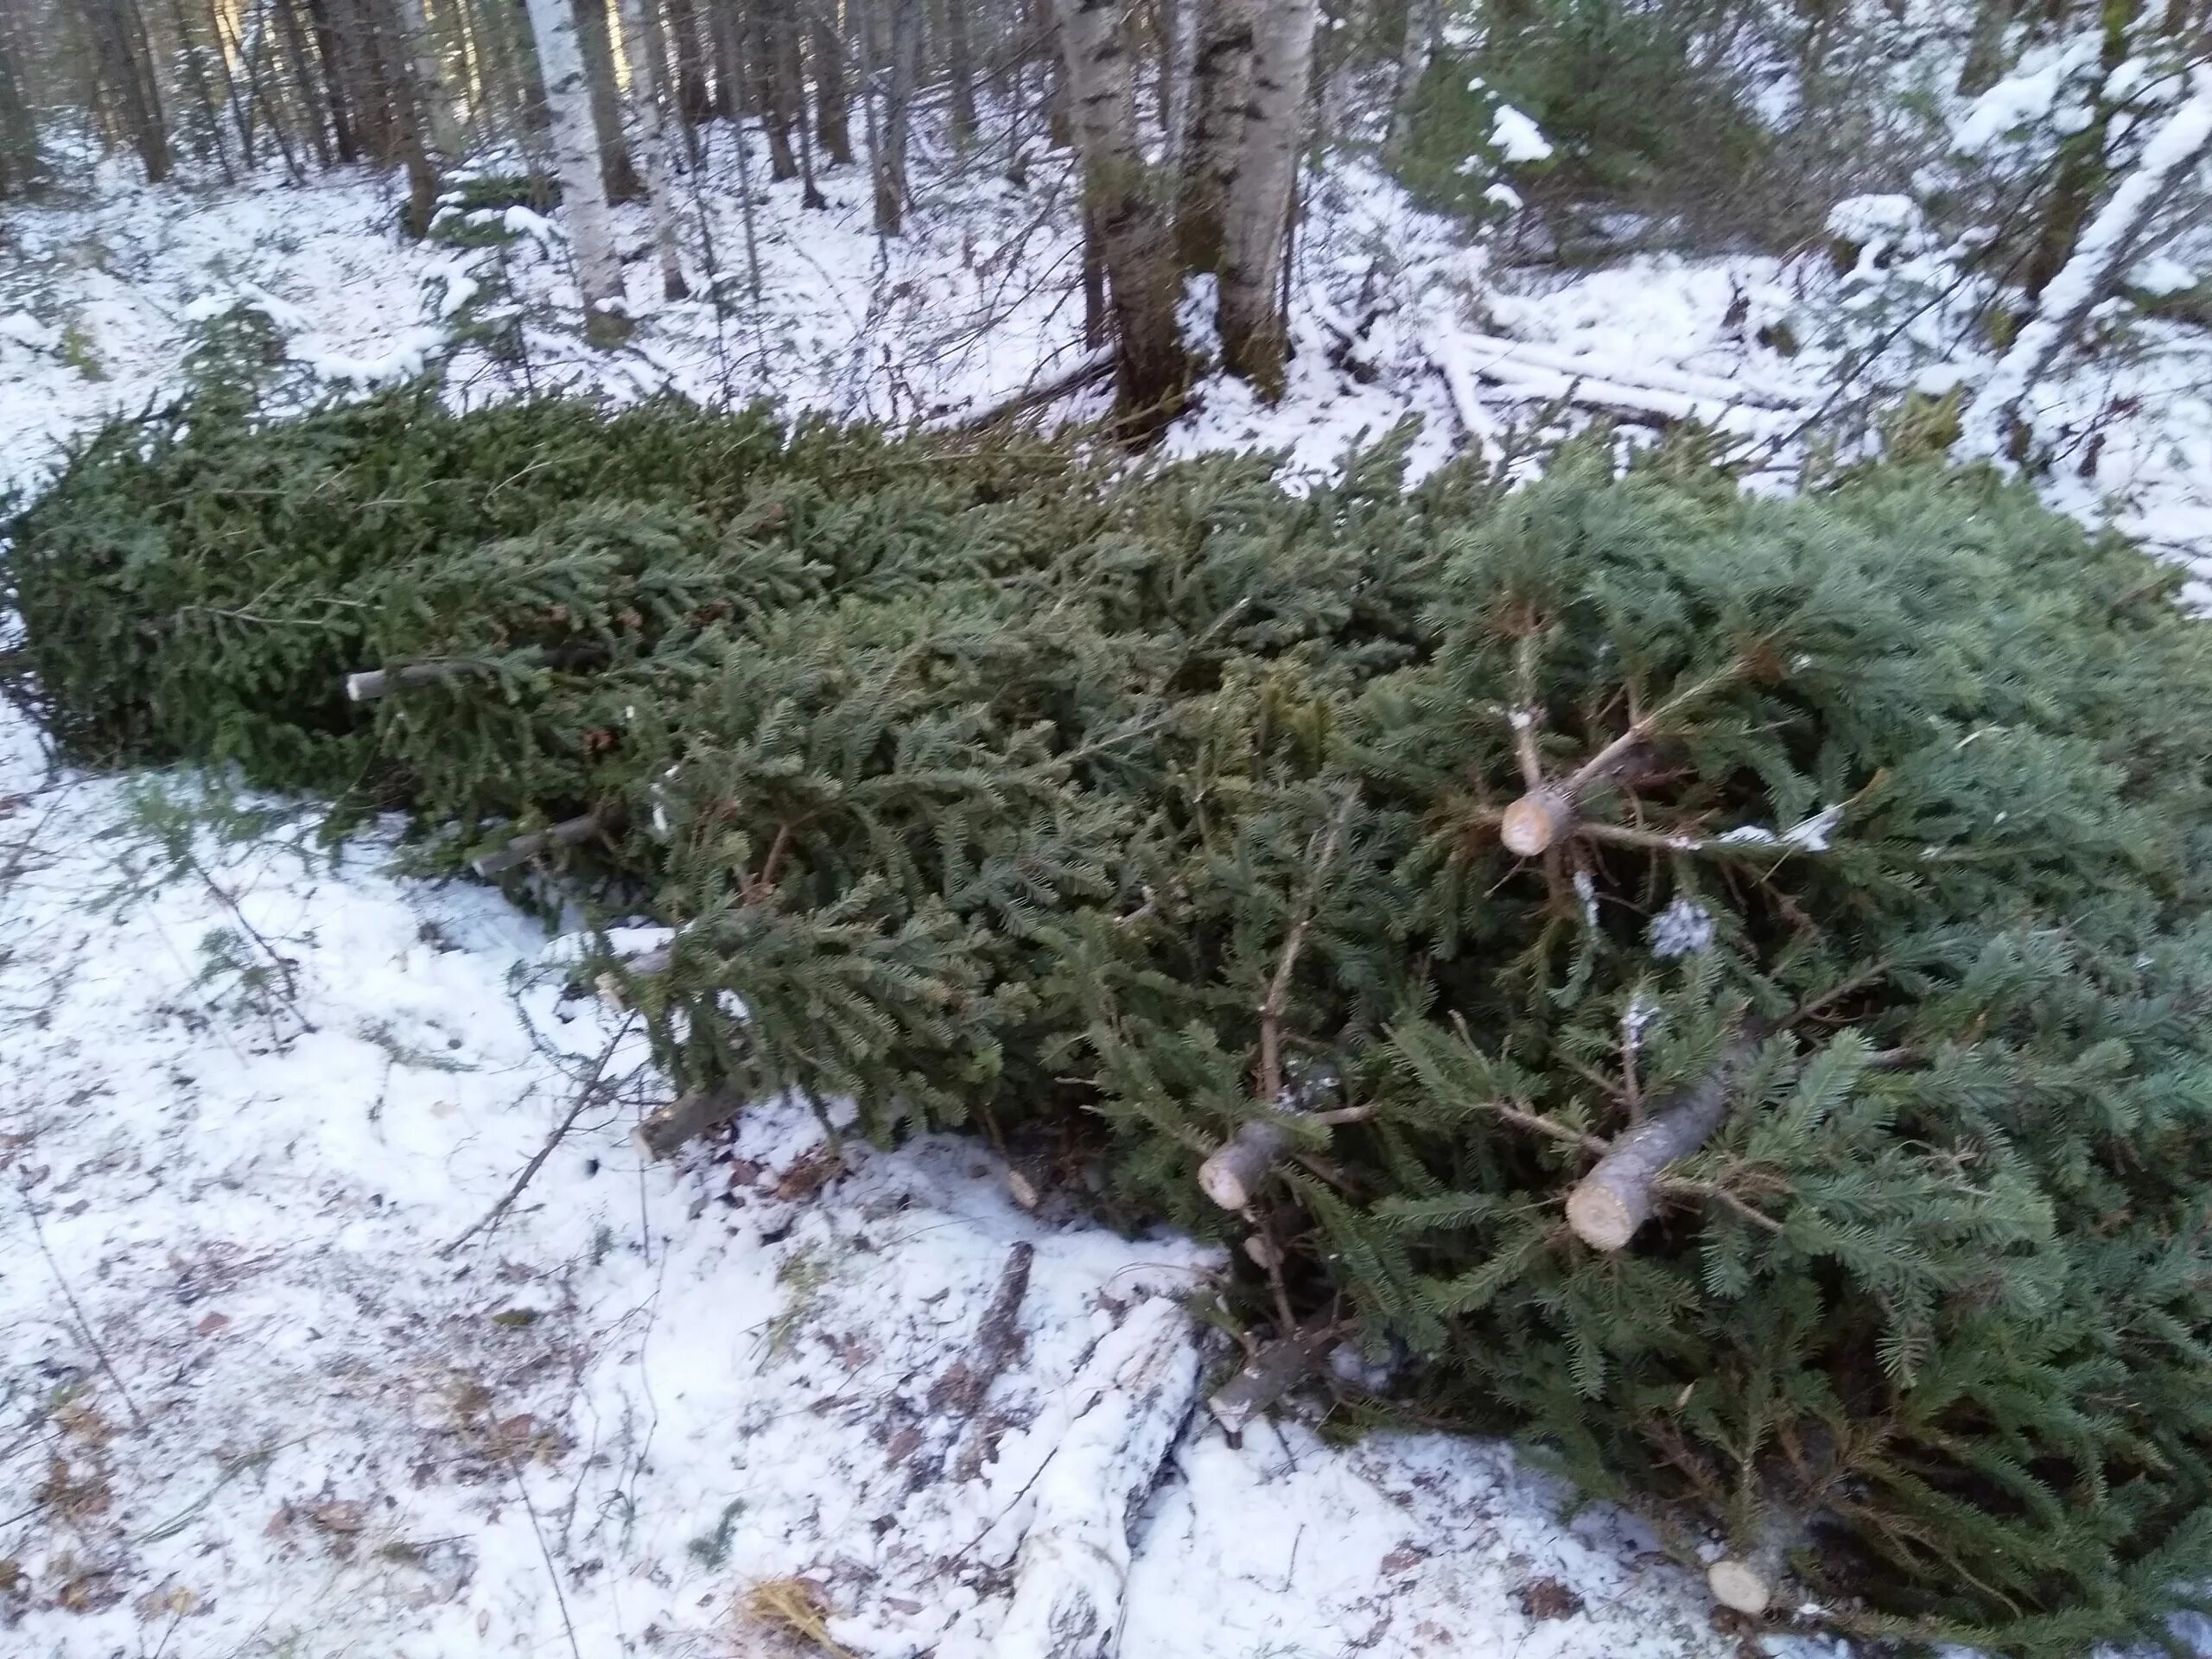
1255 333
1221 72
641 45
576 158
1123 196
441 136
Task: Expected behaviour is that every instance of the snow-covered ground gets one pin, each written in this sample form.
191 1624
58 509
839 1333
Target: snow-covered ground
272 1386
266 1392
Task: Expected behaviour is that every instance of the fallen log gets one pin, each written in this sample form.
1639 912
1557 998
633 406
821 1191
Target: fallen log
1496 351
961 1389
1123 1411
1088 373
1483 430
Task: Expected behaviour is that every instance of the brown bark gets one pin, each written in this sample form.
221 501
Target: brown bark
898 115
960 71
832 118
775 84
693 100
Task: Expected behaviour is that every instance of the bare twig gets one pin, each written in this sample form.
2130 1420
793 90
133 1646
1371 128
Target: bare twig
84 1324
586 1098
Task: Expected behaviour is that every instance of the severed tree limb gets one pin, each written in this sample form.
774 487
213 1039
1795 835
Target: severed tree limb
1748 1579
661 1133
375 683
1277 1368
1545 816
644 965
1232 1175
1618 1196
523 849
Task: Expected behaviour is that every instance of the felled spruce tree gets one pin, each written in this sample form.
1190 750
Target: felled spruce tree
1720 984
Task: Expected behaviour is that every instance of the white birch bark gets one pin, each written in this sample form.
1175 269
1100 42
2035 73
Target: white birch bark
1222 33
1124 200
1254 335
576 158
641 45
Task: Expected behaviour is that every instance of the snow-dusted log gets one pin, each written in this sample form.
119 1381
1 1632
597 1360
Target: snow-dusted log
523 849
1278 1367
1497 352
1520 378
1255 333
649 94
1043 395
1481 427
1616 1197
372 683
663 1132
1126 1407
1232 1175
576 156
2112 238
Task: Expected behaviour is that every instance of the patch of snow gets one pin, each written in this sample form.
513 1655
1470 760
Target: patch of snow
1816 833
1516 137
1683 929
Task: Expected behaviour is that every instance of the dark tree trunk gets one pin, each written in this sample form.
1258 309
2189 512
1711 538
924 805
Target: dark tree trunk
729 61
616 170
693 101
124 70
832 118
332 72
898 115
774 93
790 77
960 70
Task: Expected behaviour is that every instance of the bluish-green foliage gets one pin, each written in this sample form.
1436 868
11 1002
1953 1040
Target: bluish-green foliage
1005 792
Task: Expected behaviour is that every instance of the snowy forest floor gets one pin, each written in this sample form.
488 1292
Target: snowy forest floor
266 1393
